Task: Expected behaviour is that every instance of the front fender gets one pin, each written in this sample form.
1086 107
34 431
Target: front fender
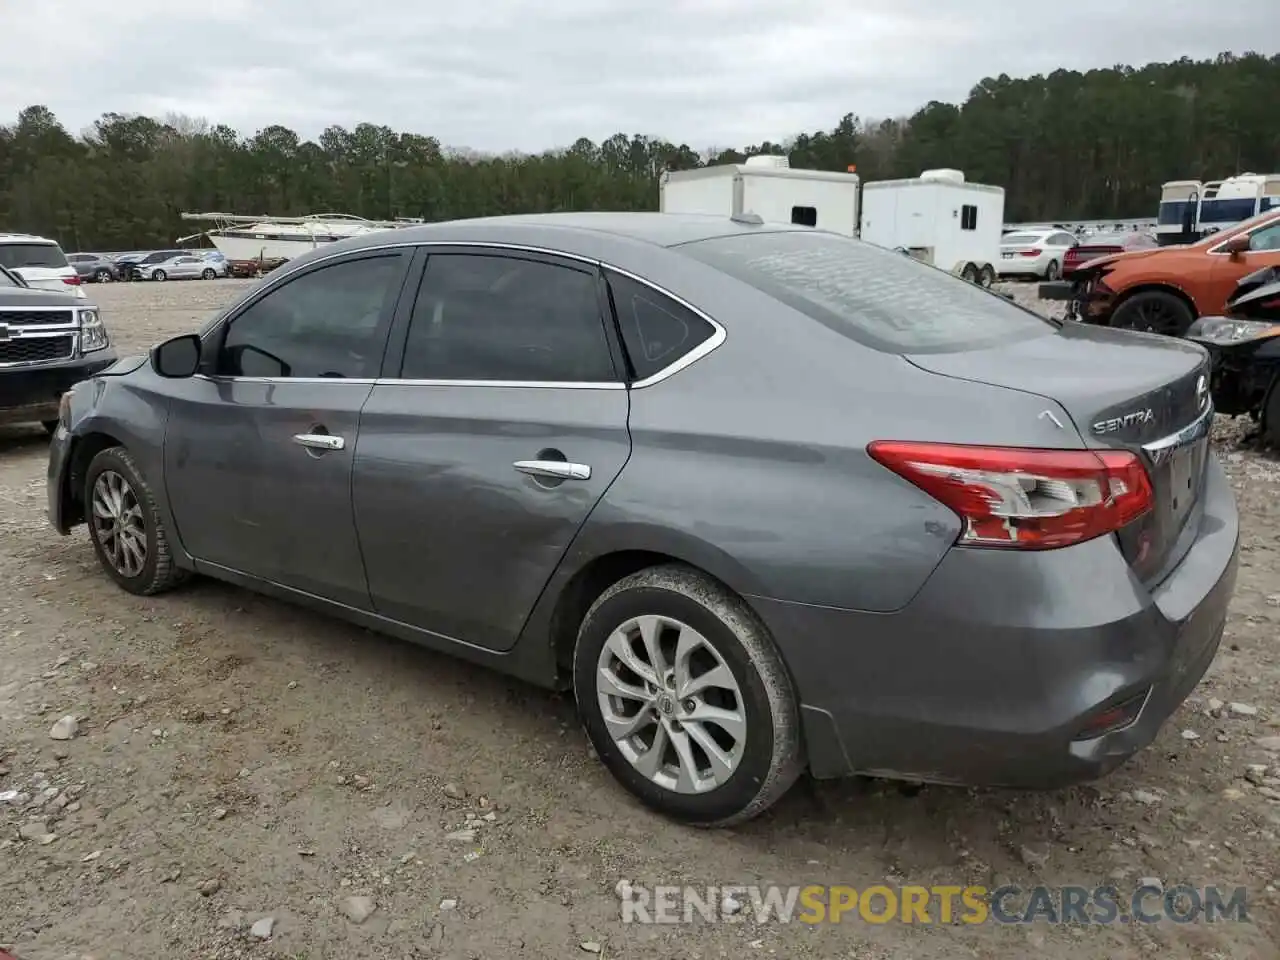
120 411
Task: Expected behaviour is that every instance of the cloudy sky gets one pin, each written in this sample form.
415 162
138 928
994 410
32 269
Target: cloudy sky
507 74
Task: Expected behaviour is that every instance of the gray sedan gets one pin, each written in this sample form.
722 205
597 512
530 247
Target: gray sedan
767 499
182 268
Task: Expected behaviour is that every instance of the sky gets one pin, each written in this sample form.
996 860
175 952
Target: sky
497 75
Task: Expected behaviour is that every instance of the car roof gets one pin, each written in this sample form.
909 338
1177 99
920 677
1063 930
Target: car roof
575 232
26 238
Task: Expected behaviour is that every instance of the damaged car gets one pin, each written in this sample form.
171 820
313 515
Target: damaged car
1164 289
1245 349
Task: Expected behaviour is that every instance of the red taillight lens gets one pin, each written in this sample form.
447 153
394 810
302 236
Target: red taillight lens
1033 252
72 281
1025 498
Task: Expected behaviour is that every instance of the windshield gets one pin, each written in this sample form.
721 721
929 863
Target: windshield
15 255
7 279
881 298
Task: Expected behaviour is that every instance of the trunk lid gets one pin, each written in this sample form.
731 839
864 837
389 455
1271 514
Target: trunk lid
1139 392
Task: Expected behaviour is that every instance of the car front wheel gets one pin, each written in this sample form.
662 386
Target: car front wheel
128 534
686 699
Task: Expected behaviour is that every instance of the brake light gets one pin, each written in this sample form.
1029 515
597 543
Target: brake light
1025 498
72 281
1033 252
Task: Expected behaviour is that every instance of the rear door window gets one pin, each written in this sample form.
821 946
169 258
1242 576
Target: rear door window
875 296
18 255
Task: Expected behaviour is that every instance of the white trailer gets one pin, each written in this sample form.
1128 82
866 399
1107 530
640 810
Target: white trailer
940 218
937 217
767 186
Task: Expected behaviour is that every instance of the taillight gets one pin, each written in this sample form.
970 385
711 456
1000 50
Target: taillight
1026 498
1033 252
72 281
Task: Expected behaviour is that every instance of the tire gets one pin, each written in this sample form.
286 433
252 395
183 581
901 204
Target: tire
969 273
103 276
1155 311
1053 271
1271 415
157 571
159 275
986 276
208 274
764 760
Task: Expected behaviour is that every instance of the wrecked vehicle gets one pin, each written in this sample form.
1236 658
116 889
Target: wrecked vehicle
1164 289
1245 347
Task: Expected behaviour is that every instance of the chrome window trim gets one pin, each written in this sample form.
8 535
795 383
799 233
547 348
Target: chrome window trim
1216 251
718 336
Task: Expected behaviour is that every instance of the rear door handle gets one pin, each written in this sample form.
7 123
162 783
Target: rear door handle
319 441
554 469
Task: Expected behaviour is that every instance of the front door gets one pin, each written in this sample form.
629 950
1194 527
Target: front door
476 467
259 446
1264 251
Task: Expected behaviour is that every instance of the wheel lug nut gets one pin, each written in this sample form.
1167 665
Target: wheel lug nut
689 705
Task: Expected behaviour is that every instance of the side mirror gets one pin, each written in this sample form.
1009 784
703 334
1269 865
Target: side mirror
177 358
1237 245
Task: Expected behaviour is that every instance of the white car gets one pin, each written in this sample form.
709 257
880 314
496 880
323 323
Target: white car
40 262
1034 253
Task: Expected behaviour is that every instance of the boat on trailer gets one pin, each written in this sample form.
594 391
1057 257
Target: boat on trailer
270 239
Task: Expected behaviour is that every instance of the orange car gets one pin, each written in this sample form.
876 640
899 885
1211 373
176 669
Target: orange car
1165 289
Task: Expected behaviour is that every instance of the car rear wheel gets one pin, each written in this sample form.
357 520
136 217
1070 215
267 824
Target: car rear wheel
685 697
128 534
1053 271
159 275
208 274
103 275
1154 311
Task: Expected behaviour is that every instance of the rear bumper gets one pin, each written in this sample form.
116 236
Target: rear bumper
31 394
992 672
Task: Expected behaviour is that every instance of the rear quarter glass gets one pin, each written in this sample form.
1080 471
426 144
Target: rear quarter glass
883 299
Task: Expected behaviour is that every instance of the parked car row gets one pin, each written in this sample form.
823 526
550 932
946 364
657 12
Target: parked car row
1051 254
174 264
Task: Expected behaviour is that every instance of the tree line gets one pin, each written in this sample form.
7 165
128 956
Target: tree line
1069 145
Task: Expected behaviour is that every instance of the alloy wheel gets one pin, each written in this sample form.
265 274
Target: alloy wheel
671 704
118 525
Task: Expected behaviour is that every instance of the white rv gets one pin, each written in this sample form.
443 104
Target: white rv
936 217
940 218
1190 209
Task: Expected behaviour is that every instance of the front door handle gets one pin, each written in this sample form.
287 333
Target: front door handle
319 441
554 469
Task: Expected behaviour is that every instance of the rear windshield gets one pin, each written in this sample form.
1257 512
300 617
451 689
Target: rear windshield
1021 237
13 255
881 298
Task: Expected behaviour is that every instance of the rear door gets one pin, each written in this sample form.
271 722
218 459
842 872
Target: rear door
503 423
259 446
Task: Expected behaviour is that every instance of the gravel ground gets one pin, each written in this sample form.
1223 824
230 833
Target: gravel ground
238 760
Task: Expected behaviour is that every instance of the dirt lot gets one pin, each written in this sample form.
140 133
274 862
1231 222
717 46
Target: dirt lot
240 759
